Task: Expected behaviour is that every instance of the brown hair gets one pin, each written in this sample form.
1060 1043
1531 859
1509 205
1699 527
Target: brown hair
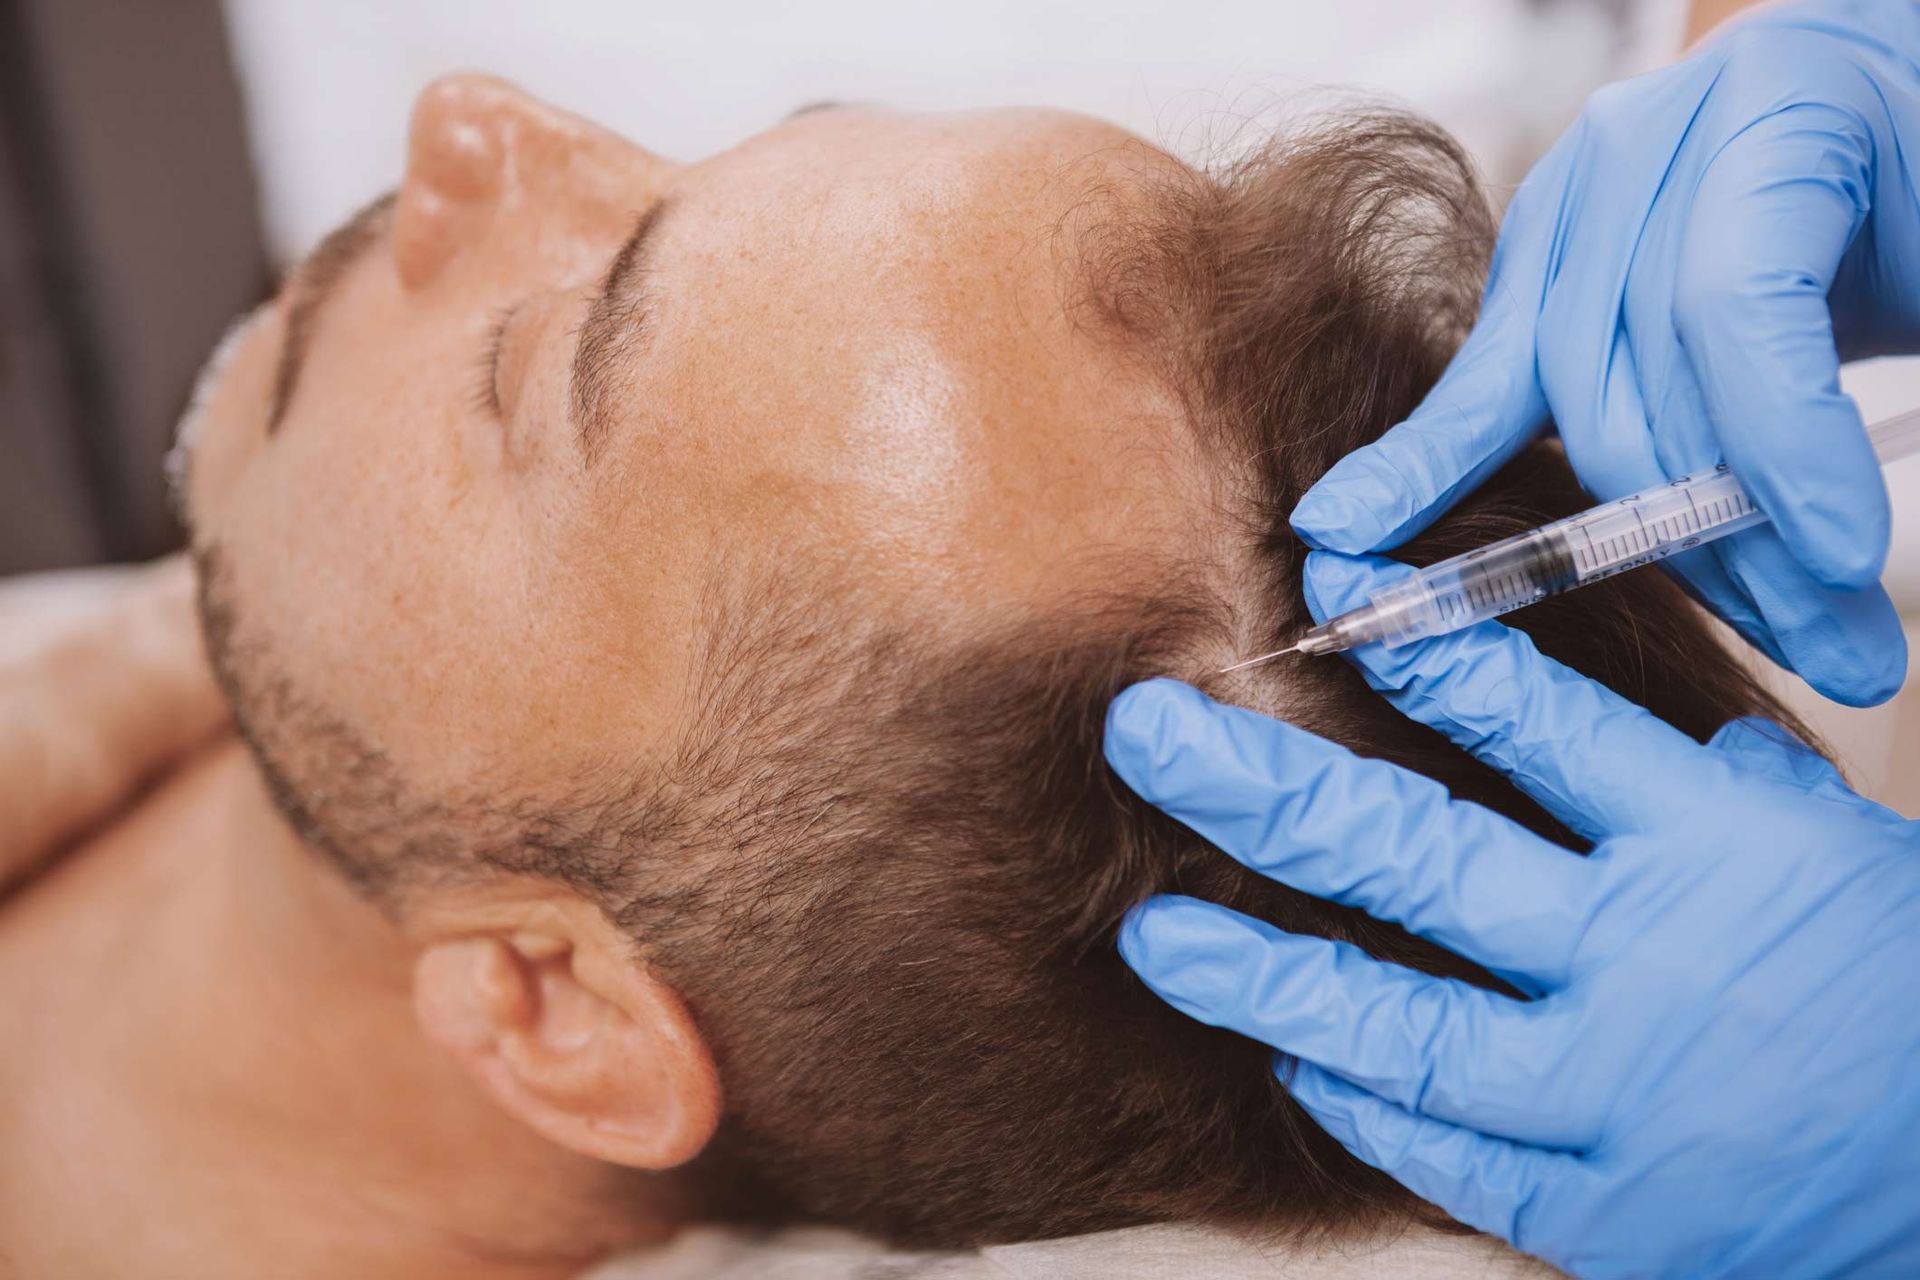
899 931
887 873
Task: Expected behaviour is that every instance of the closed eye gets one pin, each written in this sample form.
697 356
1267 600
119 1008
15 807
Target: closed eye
486 381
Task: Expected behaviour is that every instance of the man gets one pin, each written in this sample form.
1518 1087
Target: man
671 611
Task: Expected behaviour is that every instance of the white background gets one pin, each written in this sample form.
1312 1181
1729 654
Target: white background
329 84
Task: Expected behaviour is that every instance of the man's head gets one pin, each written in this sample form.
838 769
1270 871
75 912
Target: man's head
505 436
687 597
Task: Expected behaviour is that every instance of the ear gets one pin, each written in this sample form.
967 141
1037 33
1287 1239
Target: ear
568 1032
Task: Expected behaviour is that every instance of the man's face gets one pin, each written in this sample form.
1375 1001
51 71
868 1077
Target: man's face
518 446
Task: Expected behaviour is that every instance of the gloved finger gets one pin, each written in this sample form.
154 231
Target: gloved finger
1366 833
1595 761
1599 379
1702 576
1764 747
1485 407
1481 1181
1434 1046
1846 644
1849 645
1770 221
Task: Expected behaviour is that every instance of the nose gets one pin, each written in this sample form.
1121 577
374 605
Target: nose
479 149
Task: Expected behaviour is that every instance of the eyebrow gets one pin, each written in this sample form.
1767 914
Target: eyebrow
314 281
617 327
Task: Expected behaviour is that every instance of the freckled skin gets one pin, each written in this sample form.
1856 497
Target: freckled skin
860 357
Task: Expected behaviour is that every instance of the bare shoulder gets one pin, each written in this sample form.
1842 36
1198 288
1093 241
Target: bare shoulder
126 870
103 688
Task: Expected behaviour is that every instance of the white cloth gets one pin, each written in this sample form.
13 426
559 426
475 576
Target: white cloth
1164 1252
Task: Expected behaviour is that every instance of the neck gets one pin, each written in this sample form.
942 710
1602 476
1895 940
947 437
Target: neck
232 1044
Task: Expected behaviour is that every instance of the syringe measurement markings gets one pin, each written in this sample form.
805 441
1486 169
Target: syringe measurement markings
1532 565
1476 595
1504 589
1487 593
1593 555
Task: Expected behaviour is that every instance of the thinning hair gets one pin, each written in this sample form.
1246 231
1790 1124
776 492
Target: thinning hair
897 933
886 869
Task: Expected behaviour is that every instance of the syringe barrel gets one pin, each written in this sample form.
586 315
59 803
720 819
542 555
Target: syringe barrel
1656 523
1483 583
1598 543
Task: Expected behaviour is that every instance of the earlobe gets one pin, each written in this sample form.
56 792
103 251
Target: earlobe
577 1040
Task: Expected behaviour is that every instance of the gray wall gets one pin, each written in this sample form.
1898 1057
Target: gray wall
129 237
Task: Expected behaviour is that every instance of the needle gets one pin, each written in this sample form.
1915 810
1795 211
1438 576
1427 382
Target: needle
1265 657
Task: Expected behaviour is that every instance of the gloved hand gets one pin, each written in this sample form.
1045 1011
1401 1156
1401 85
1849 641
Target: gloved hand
1718 1070
1671 282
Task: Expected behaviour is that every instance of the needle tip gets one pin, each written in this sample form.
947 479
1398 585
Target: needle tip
1265 657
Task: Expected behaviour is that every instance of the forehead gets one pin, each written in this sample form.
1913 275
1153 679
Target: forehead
868 326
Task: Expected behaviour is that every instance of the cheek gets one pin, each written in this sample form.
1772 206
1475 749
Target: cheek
386 576
405 575
390 596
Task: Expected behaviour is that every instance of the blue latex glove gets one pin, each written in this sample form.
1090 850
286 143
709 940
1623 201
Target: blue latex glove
1670 283
1718 1073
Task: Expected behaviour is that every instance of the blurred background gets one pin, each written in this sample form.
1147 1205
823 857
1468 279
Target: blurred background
162 161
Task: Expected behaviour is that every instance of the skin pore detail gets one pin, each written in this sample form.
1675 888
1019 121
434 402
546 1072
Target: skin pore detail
904 430
857 363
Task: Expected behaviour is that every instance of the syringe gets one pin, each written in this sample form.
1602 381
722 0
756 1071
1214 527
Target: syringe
1528 567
